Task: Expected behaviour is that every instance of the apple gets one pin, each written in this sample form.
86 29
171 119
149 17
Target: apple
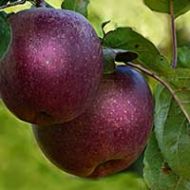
110 135
53 67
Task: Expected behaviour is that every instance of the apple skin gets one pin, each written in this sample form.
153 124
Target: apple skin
110 135
53 67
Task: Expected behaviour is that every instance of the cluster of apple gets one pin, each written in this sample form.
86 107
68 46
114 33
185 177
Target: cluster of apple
86 123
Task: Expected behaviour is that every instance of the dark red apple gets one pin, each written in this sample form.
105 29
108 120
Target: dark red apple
110 135
53 67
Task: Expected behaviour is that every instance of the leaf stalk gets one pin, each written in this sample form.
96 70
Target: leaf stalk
174 36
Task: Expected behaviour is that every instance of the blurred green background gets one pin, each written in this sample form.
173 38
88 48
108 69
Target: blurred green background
22 165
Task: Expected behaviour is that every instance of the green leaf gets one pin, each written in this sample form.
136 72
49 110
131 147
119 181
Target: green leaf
180 6
173 132
157 173
184 57
113 55
5 35
109 61
151 62
127 39
76 5
179 85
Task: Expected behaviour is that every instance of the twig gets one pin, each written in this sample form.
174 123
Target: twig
136 64
174 36
19 2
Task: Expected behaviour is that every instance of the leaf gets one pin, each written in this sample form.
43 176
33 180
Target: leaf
138 166
127 39
173 132
180 6
116 55
113 55
5 35
184 57
124 55
109 61
77 6
179 85
157 173
151 62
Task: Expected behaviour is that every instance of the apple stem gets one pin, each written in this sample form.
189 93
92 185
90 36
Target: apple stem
19 2
174 36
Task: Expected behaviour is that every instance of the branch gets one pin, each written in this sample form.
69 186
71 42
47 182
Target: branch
19 2
136 64
174 36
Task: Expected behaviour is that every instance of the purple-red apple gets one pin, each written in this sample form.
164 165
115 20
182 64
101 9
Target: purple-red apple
53 67
110 135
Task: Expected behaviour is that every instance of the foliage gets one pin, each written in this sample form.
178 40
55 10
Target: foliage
177 81
157 173
184 57
180 7
172 132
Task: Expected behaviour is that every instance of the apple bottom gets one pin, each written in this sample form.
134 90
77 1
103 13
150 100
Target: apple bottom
110 135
